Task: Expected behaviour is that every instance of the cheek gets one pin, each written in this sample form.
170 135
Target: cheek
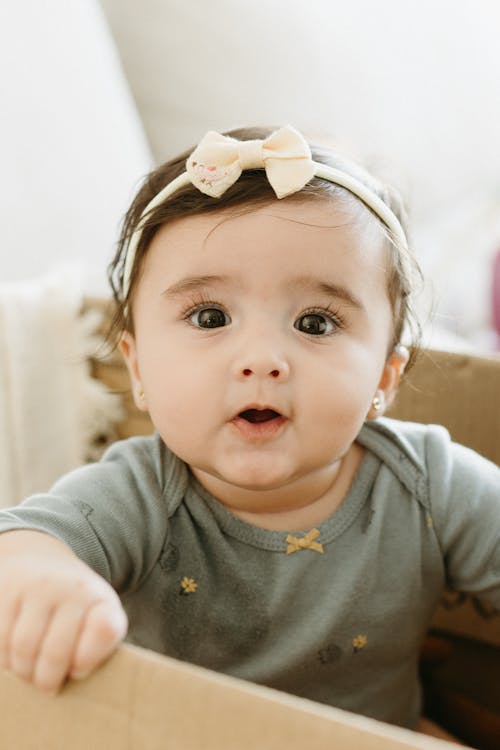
180 394
348 384
361 359
171 392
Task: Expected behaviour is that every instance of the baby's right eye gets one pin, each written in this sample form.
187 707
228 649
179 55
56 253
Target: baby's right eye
209 317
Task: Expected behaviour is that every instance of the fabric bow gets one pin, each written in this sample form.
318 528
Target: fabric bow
296 543
218 161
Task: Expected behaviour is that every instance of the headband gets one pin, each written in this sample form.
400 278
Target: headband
218 161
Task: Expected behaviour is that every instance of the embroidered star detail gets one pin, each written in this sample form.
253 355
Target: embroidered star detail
359 642
188 585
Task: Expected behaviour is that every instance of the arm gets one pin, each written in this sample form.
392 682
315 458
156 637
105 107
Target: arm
65 554
58 617
113 514
465 502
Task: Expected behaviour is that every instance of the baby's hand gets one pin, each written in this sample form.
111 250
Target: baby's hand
58 618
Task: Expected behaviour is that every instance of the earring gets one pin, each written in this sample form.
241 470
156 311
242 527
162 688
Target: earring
140 392
376 403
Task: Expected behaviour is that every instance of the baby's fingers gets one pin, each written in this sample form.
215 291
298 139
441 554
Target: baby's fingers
8 614
56 649
26 635
105 626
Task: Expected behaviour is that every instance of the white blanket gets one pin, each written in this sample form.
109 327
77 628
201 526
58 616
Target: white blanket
51 409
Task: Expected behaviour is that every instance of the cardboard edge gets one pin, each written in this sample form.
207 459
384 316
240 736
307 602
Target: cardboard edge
145 701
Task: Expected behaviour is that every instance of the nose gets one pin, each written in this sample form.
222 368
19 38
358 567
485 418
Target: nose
263 366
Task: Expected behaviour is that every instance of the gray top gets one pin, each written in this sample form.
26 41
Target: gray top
342 625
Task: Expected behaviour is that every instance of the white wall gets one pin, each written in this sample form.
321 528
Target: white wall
411 86
71 144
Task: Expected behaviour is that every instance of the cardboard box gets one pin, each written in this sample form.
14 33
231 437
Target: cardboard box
459 391
140 700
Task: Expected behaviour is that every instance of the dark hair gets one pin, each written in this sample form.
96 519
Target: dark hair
251 190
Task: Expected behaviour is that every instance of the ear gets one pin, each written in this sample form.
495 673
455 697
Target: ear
128 348
389 380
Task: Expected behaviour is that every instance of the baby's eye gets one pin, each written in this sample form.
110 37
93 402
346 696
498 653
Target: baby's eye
316 324
209 317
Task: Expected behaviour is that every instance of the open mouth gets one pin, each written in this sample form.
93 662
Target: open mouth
259 424
255 416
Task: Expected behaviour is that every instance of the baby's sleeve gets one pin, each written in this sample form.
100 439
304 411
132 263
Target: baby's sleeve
111 513
464 490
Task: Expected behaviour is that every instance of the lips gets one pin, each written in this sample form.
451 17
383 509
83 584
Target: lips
256 416
258 423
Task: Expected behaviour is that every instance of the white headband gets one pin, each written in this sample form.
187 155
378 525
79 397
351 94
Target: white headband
218 161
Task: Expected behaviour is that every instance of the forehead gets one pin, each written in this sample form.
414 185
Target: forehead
278 241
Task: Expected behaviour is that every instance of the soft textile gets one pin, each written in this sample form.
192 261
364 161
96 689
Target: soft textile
51 410
218 161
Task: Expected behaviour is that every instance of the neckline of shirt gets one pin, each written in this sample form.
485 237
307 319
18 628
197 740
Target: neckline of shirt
331 528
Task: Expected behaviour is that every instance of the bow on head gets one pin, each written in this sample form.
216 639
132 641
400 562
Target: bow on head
218 161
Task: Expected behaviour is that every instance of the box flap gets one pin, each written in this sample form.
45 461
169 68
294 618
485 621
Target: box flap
459 391
139 700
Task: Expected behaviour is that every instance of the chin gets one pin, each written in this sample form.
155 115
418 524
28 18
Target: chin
255 485
257 477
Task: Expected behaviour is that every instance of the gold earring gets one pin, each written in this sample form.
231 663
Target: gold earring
376 403
140 392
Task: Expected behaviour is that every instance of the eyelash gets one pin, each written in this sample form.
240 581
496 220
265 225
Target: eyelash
195 305
201 302
333 314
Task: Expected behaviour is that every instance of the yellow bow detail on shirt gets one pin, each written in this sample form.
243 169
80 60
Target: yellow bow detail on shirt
304 542
218 161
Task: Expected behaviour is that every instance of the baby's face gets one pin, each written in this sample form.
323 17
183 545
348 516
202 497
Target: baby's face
260 342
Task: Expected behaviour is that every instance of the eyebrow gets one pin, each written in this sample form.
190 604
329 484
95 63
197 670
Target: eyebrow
338 291
192 284
306 283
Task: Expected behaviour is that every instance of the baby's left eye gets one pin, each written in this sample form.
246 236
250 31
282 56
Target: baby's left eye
315 324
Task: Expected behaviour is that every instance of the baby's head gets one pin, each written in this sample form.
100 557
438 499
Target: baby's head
251 190
261 332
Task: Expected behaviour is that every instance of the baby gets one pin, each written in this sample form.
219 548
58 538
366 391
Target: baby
276 526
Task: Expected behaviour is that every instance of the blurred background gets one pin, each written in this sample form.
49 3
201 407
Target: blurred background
93 94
